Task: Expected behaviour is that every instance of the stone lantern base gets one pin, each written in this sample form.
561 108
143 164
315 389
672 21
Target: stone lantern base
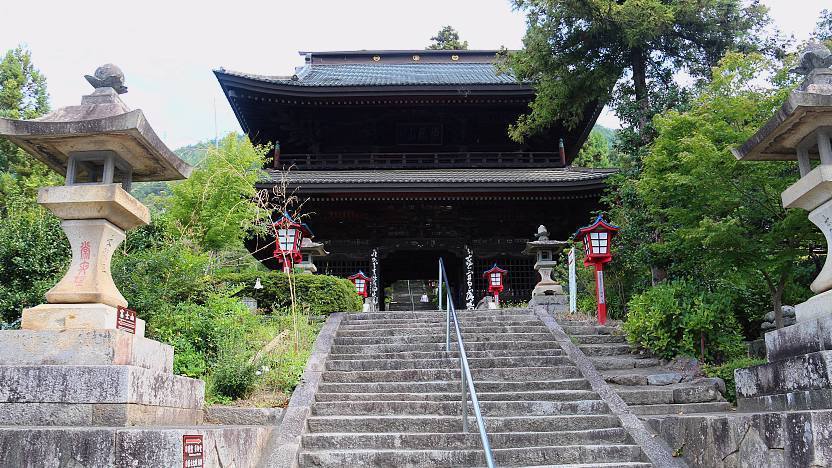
798 375
73 363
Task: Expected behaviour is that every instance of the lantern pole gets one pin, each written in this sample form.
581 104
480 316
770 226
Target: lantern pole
600 294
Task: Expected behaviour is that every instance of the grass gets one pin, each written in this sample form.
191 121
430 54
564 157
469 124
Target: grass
281 366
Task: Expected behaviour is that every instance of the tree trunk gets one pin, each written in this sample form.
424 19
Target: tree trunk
776 291
658 273
638 62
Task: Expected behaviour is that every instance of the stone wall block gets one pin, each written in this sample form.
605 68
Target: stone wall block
98 384
83 347
127 447
807 372
804 337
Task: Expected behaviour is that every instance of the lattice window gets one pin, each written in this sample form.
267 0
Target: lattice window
519 281
343 268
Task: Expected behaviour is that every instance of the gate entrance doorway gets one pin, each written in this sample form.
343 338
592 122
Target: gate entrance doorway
407 275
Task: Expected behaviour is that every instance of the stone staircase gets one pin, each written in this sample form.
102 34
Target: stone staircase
407 295
648 387
390 396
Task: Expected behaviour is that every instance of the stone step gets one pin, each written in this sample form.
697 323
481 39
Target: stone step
437 338
400 423
422 375
448 458
445 363
470 440
436 314
497 353
610 363
651 395
687 408
453 386
369 349
450 408
589 329
382 323
440 330
598 465
598 339
609 349
553 395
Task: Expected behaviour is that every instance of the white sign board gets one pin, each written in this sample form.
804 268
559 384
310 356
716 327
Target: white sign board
573 284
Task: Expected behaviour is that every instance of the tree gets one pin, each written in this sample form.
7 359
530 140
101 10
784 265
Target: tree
447 39
581 54
23 95
215 208
596 152
575 51
723 219
823 30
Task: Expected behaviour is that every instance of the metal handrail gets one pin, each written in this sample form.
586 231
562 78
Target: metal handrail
465 370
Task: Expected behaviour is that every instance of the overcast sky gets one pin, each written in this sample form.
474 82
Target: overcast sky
167 49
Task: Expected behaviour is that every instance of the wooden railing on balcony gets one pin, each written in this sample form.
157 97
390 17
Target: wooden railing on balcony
324 161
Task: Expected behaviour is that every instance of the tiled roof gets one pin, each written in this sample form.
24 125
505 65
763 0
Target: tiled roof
555 176
425 74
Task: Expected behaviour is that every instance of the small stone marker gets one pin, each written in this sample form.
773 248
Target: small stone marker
192 451
126 320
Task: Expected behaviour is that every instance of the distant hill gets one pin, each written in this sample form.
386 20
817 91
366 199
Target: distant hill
191 154
195 153
608 133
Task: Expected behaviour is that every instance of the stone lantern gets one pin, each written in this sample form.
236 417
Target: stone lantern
82 357
545 251
309 250
799 373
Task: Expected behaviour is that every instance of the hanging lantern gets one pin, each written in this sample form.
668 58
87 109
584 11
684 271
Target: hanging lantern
361 281
289 235
597 239
495 276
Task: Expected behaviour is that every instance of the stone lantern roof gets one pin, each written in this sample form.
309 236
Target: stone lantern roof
101 123
806 109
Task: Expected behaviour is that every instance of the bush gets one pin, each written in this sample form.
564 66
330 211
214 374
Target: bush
34 254
202 333
233 376
154 280
726 372
671 319
320 293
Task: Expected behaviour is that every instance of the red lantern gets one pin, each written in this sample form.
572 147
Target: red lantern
360 280
496 280
597 239
289 235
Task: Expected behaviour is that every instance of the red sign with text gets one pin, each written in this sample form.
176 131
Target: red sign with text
192 451
126 319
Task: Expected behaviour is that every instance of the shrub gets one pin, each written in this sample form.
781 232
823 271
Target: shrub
320 293
672 318
202 333
233 376
34 253
726 372
154 280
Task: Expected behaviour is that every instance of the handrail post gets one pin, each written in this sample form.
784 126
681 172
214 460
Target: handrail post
439 293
